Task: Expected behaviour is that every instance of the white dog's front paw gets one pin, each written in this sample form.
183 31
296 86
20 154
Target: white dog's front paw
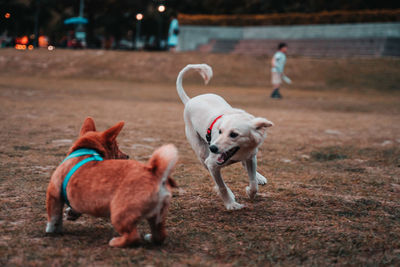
251 193
261 179
234 206
147 237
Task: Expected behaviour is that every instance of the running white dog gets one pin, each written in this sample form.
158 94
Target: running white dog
231 135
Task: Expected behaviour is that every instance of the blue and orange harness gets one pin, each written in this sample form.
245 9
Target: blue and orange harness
78 153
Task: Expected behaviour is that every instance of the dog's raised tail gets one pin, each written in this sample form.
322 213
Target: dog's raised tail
205 72
163 161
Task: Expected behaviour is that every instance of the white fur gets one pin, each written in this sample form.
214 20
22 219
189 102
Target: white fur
147 237
54 225
200 112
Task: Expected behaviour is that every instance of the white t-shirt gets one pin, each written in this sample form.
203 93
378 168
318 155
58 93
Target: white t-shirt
280 60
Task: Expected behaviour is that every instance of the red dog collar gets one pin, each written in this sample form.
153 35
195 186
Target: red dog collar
209 130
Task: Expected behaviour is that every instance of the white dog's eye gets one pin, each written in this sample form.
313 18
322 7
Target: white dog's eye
220 132
233 135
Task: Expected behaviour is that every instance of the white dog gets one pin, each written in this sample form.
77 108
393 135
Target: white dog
221 135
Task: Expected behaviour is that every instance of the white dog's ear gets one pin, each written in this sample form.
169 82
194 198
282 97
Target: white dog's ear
261 124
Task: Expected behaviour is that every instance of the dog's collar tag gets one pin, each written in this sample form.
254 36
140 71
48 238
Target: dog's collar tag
209 130
78 153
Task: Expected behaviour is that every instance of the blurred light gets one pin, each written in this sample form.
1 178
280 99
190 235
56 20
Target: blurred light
20 47
7 15
161 8
139 16
50 48
32 36
30 47
43 41
23 40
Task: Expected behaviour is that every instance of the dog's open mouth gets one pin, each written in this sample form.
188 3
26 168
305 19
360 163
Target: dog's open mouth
224 157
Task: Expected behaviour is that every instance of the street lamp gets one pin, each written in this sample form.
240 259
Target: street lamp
161 8
36 28
80 33
139 17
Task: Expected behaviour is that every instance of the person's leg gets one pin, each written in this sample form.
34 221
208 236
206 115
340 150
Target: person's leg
275 93
276 83
278 94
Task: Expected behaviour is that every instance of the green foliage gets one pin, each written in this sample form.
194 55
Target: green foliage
326 17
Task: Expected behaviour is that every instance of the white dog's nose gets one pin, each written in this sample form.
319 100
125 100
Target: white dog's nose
213 149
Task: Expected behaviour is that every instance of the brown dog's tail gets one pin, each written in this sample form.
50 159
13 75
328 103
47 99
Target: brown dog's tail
163 161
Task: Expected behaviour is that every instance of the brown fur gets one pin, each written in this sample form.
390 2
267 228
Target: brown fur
105 142
124 190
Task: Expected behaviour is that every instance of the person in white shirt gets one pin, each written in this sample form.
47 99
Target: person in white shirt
278 65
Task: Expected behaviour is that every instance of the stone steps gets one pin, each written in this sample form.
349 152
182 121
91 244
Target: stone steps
309 47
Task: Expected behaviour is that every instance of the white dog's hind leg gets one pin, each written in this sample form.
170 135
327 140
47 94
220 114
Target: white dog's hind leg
226 194
251 167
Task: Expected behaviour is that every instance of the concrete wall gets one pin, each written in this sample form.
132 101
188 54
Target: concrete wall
191 37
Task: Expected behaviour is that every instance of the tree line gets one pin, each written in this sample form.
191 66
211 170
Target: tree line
117 18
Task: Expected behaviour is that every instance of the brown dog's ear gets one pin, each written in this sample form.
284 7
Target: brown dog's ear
112 133
88 126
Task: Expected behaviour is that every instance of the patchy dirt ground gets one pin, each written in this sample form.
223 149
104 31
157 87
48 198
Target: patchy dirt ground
332 161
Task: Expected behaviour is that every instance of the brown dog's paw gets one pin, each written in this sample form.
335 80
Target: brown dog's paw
124 241
71 215
117 242
147 237
54 227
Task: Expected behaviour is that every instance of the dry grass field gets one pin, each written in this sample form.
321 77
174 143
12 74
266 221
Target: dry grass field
332 159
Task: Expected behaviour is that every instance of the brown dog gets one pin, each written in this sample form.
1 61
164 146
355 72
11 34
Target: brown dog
124 190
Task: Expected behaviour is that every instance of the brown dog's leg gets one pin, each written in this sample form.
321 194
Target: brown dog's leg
54 206
124 222
126 239
158 232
